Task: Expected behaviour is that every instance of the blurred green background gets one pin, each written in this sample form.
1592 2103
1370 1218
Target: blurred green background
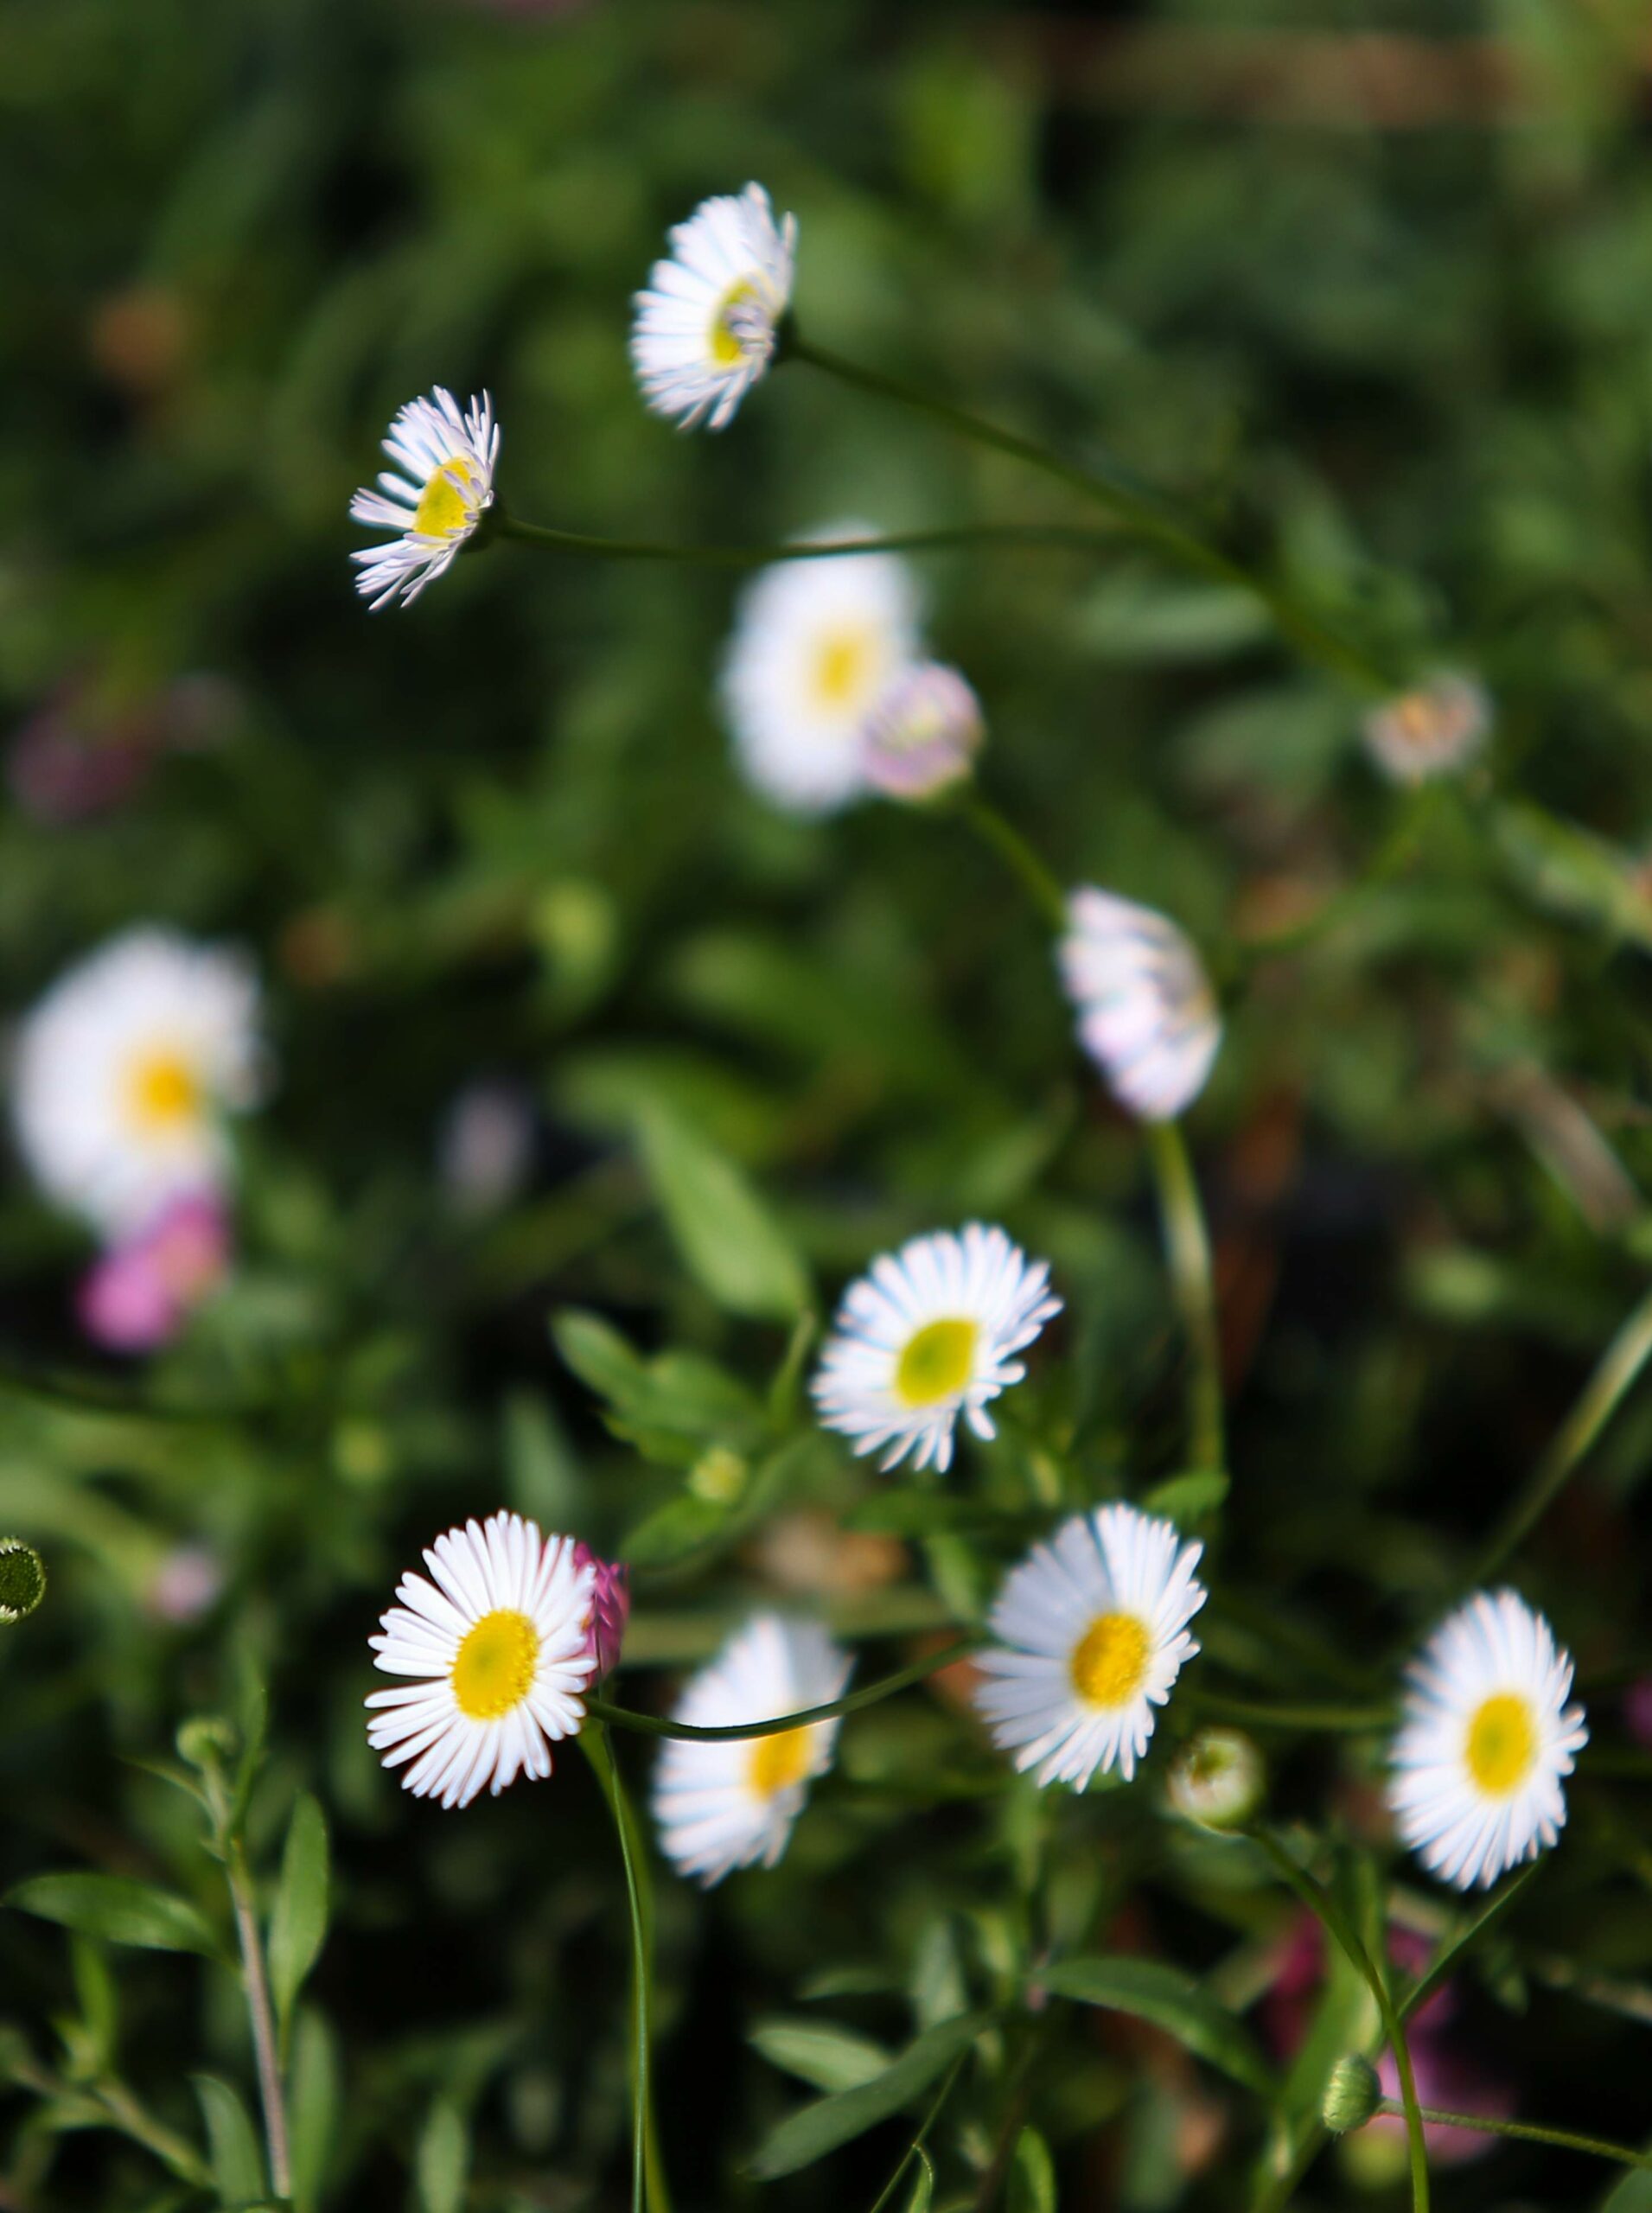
1368 293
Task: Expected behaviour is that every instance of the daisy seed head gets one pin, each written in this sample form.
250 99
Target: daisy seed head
1146 1013
446 461
705 325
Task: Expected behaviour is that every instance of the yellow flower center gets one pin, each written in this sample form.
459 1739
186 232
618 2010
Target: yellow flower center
843 666
162 1092
729 347
779 1761
936 1362
493 1671
443 507
1502 1743
1110 1660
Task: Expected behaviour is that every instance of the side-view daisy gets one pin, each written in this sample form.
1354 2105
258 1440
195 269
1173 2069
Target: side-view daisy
446 486
499 1643
923 734
929 1335
123 1073
729 1805
815 644
704 326
1092 1633
1147 1015
1434 730
1486 1741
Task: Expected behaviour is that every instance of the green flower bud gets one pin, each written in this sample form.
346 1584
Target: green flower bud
22 1579
207 1741
1217 1779
1352 2096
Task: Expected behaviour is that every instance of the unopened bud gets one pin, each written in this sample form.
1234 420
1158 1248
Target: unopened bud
610 1609
207 1741
22 1579
923 734
1217 1779
1352 2094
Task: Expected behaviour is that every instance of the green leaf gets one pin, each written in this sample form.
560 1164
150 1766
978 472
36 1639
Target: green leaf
808 2134
1190 1499
680 1527
232 2144
1032 2175
298 1917
819 2053
924 2189
442 2165
1152 1991
1135 616
117 1909
22 1579
312 2107
599 1355
678 1394
727 1240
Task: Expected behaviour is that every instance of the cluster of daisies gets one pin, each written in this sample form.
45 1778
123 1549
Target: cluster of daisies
124 1079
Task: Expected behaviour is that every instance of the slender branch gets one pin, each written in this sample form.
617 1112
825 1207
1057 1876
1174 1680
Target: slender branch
1187 1248
1326 1910
1529 2133
943 538
914 2150
1142 517
653 1724
262 2015
648 2170
1602 1395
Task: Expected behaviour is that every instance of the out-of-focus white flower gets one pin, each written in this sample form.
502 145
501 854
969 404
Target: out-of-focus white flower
1092 1633
927 1336
734 1804
705 327
498 1643
815 646
447 462
123 1072
923 733
1433 730
485 1153
1147 1015
1486 1742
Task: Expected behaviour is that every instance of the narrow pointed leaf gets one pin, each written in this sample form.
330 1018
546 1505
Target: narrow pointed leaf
298 1919
808 2135
117 1909
1154 1992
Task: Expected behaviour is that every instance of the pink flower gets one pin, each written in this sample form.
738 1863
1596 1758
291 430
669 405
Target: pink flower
610 1609
138 1297
1637 1711
187 1583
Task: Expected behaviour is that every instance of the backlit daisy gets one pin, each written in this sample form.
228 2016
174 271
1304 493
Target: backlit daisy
1487 1739
123 1073
499 1643
446 486
1434 730
724 1806
923 733
705 328
928 1335
1092 1633
1147 1015
814 646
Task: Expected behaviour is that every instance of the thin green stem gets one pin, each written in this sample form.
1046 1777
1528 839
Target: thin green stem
262 2016
1011 847
1187 1248
1259 1713
914 2150
949 538
1144 518
652 1725
1528 2132
1604 1391
648 2169
1326 1910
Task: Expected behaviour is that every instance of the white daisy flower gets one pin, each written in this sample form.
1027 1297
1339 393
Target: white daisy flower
724 1806
447 460
499 1643
1486 1741
923 734
1434 730
928 1335
814 646
124 1071
705 328
1147 1015
1093 1627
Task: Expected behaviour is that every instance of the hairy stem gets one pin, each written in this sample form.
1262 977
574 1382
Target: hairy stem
262 2014
1529 2133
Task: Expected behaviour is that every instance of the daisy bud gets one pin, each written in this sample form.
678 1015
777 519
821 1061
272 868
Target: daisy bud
610 1609
1352 2094
22 1579
1146 1013
923 734
1217 1779
1434 730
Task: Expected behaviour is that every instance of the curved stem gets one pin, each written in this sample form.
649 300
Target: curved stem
1621 1363
1325 1910
1142 517
1011 847
651 1724
944 538
1188 1248
648 2170
1529 2133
